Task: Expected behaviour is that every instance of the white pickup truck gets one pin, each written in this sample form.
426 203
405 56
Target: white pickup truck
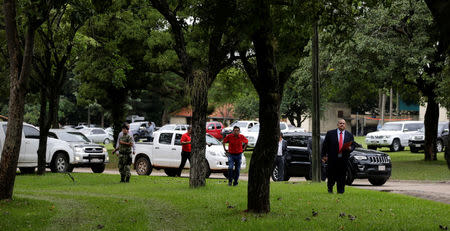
165 153
59 153
394 135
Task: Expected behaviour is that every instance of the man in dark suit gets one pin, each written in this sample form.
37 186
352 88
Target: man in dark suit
280 157
336 154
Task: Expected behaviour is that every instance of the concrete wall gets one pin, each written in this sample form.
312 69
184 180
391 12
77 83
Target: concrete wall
442 113
178 120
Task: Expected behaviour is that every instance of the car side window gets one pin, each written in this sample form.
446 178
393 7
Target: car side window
30 132
250 125
413 127
178 139
282 126
218 126
177 128
210 126
99 131
52 135
165 138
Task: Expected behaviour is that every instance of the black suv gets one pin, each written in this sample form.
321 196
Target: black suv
363 163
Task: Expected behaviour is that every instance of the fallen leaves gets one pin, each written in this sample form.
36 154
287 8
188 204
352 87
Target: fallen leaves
99 226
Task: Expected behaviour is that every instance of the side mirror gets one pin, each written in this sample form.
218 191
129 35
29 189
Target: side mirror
209 144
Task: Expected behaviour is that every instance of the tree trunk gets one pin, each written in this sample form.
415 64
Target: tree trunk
291 119
19 72
199 99
431 127
42 134
55 111
383 106
261 163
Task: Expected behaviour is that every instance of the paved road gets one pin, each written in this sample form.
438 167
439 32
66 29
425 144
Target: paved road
431 190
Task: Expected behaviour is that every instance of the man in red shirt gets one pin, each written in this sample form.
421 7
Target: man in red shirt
185 149
234 153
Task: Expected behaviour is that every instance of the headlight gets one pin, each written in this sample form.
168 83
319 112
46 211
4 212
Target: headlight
389 158
107 157
361 157
79 149
104 150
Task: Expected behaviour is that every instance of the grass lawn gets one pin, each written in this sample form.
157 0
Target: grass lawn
98 201
411 166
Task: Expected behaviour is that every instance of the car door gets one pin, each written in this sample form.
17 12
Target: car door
162 150
31 137
176 151
22 151
97 135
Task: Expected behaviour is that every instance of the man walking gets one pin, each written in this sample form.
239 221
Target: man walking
280 158
121 134
185 149
336 149
235 142
125 145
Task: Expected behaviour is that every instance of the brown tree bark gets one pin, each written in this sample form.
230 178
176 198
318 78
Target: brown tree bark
431 126
20 68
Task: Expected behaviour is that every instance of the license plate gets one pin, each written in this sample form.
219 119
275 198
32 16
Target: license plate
96 160
417 145
381 168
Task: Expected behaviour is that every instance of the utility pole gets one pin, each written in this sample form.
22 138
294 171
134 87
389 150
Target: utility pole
316 158
391 97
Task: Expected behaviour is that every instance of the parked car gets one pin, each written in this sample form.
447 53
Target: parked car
252 133
174 127
242 124
97 135
165 153
139 130
110 131
394 135
417 141
363 163
86 153
59 153
215 129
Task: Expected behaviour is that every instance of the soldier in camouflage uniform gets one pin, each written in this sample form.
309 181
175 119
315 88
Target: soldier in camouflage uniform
125 146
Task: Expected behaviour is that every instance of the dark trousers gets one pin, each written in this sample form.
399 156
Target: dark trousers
336 171
234 160
184 156
279 162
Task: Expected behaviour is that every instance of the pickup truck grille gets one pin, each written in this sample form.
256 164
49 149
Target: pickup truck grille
379 159
93 150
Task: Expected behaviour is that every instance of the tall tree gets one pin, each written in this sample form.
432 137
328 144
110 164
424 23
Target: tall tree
20 66
56 40
212 29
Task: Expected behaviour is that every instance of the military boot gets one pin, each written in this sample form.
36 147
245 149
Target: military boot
127 179
122 178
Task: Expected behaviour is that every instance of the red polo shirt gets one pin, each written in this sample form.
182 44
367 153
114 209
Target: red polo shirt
235 143
185 138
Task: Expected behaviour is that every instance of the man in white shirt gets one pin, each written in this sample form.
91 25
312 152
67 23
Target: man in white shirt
280 158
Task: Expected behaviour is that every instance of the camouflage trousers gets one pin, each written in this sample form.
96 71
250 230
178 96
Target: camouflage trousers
124 166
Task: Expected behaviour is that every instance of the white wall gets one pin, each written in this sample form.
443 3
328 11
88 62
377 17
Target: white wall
442 113
178 120
329 117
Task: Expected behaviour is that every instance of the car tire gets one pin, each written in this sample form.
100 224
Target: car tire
171 171
106 141
378 181
143 166
439 146
372 147
395 146
60 163
98 168
27 170
350 177
413 149
275 174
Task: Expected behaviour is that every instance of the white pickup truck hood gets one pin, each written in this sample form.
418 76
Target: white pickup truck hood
384 133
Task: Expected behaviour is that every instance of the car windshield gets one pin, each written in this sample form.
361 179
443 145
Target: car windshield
255 128
239 124
73 137
134 126
211 140
167 127
391 127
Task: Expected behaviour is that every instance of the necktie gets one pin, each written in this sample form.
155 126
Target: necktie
341 142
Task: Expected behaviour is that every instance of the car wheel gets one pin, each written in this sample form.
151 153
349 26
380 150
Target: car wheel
225 174
26 170
143 166
378 181
60 163
372 147
107 141
275 174
413 149
395 146
171 171
439 146
350 177
98 168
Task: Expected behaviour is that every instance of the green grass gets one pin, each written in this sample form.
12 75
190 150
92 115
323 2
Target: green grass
54 202
411 166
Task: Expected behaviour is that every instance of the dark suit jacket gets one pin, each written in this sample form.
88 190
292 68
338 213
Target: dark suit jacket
330 147
284 147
